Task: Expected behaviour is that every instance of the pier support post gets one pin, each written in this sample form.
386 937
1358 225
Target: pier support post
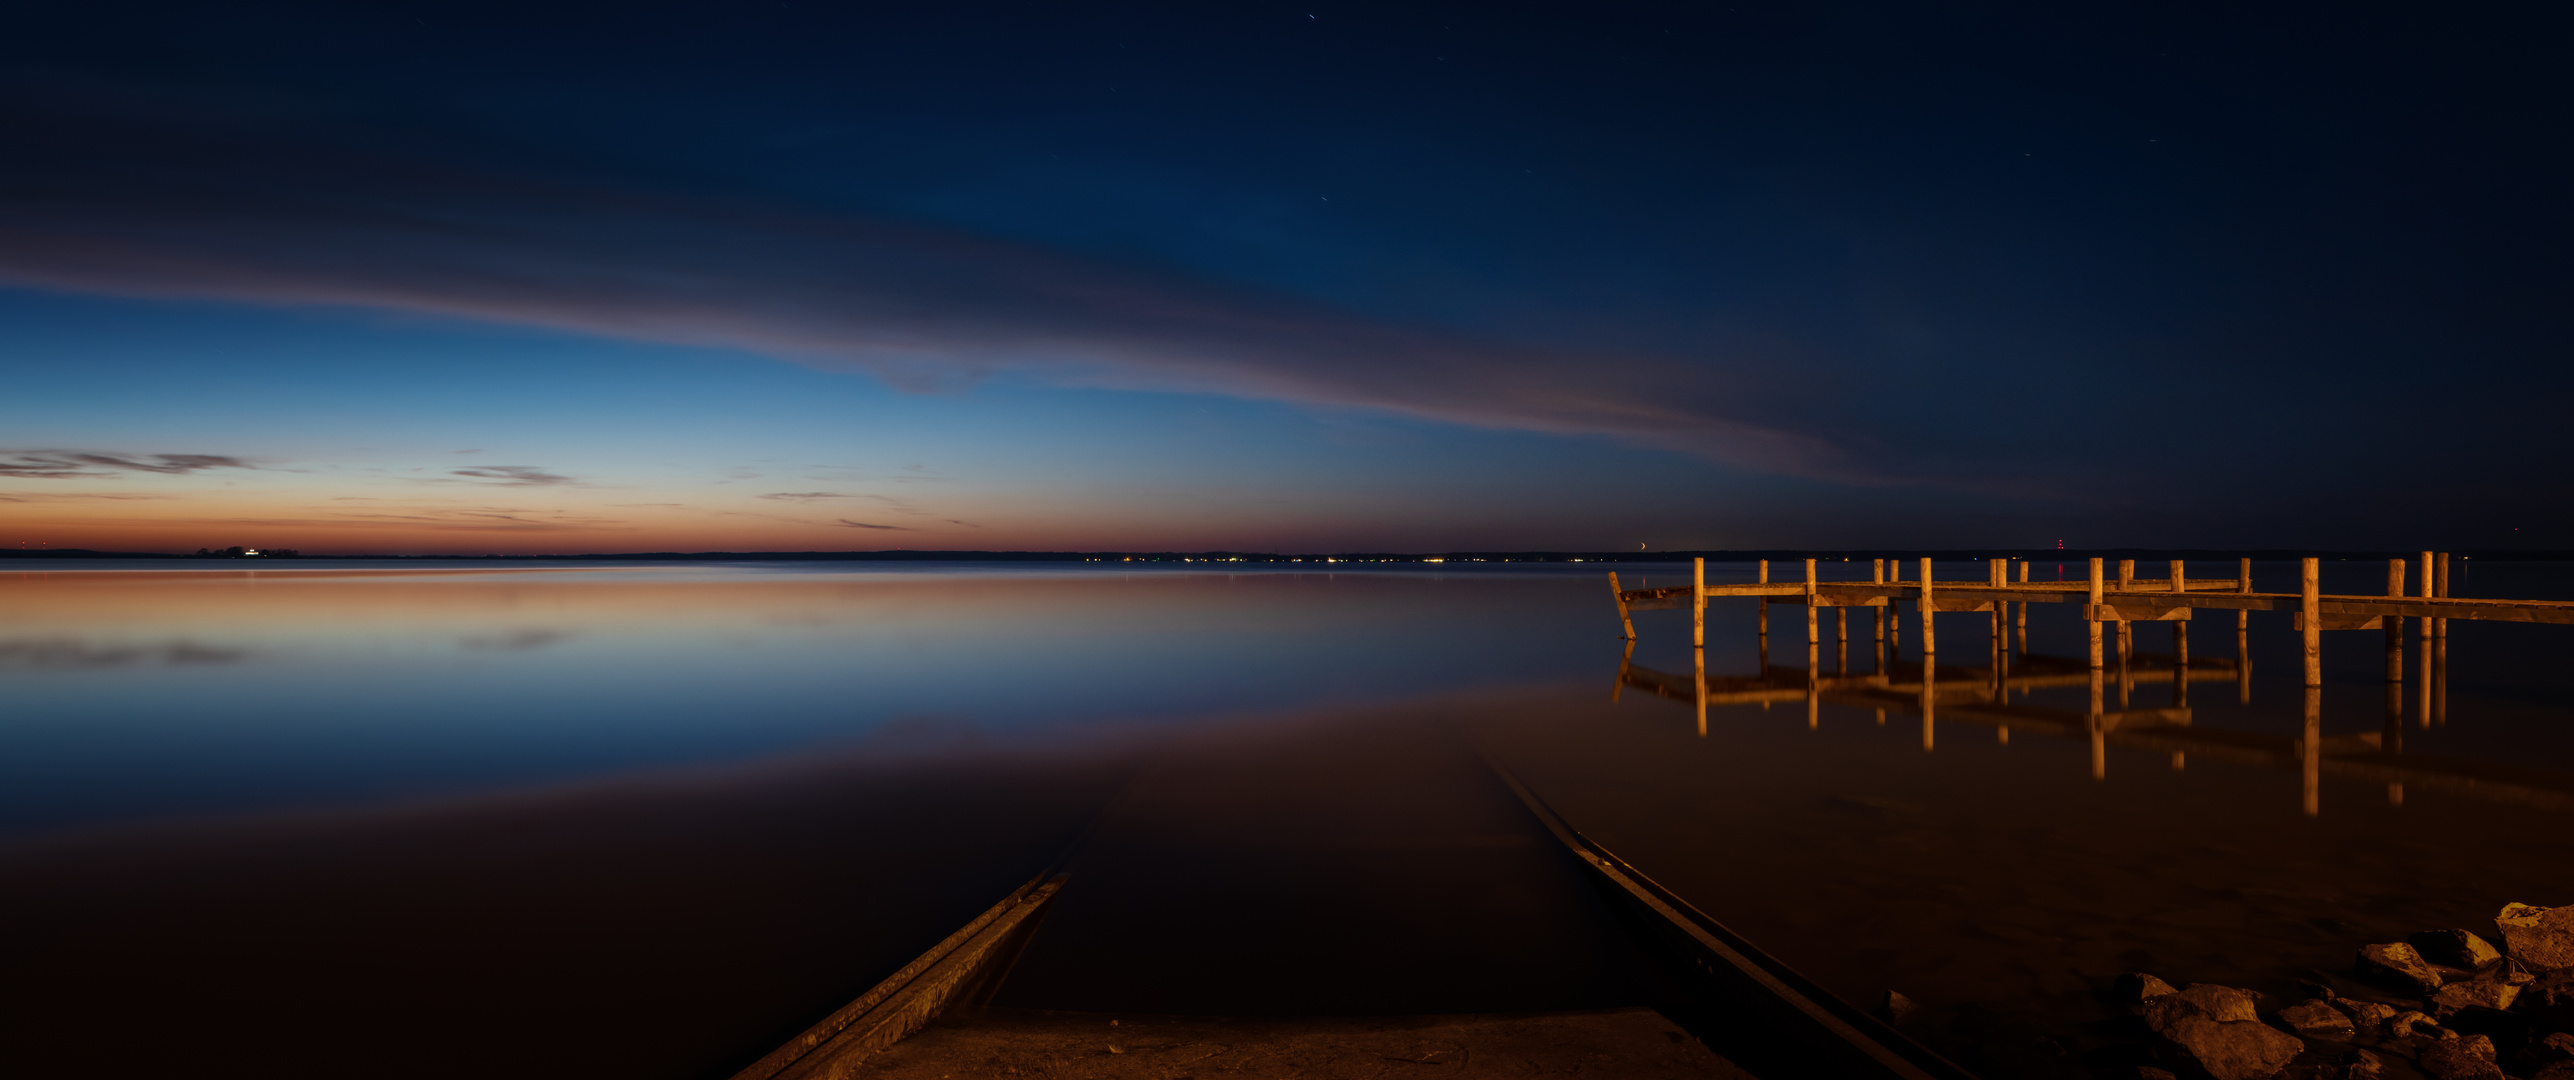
1624 622
1698 603
2181 628
2311 571
2426 591
1930 643
1813 631
2020 615
1761 573
2440 627
2091 613
1894 626
2243 584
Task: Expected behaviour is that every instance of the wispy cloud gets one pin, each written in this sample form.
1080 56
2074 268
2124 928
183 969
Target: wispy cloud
513 475
138 194
846 523
76 465
76 496
803 496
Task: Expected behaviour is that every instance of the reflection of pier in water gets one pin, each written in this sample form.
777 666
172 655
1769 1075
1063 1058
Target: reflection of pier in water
1982 695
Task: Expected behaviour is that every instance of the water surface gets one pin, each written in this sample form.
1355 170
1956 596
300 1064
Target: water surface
647 820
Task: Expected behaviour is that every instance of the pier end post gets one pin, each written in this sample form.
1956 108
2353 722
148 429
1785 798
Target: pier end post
1697 603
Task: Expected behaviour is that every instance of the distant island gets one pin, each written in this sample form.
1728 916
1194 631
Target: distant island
238 552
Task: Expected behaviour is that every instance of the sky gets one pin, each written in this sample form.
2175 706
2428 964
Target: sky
531 278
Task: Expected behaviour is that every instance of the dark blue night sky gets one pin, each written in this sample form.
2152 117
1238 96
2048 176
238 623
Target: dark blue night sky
537 278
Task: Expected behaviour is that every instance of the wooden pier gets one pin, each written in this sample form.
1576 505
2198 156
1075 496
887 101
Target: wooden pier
2109 605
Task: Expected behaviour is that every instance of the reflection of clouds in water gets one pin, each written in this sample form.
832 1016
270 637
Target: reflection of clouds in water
516 640
61 654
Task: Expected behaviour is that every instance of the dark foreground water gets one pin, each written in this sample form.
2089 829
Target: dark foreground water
647 821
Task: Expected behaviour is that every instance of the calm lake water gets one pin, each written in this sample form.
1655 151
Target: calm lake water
646 821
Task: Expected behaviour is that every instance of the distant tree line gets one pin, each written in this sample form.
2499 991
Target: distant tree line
238 552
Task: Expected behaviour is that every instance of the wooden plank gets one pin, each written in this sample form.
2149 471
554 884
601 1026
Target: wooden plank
906 1000
2114 611
1846 1040
1623 621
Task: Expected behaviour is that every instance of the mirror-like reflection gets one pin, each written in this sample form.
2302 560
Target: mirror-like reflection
1982 695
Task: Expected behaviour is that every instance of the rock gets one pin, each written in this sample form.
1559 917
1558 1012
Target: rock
2316 1018
2563 1070
2207 1001
1896 1007
2549 1000
2541 938
2398 965
2362 1065
2470 1058
2456 996
2148 1072
2230 1050
2402 1025
2136 988
2541 1053
2367 1017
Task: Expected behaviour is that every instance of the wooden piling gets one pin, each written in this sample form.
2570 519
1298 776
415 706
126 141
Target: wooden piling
2126 574
2312 573
1813 632
1894 628
2440 627
1930 697
1762 575
1997 573
2425 590
1623 621
1930 643
2092 614
2020 614
2242 584
1698 603
2181 630
1877 615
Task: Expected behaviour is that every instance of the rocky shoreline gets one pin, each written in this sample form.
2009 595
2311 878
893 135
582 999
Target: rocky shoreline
2444 1004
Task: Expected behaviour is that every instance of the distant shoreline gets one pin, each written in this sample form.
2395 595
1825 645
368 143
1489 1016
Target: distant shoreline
1773 554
